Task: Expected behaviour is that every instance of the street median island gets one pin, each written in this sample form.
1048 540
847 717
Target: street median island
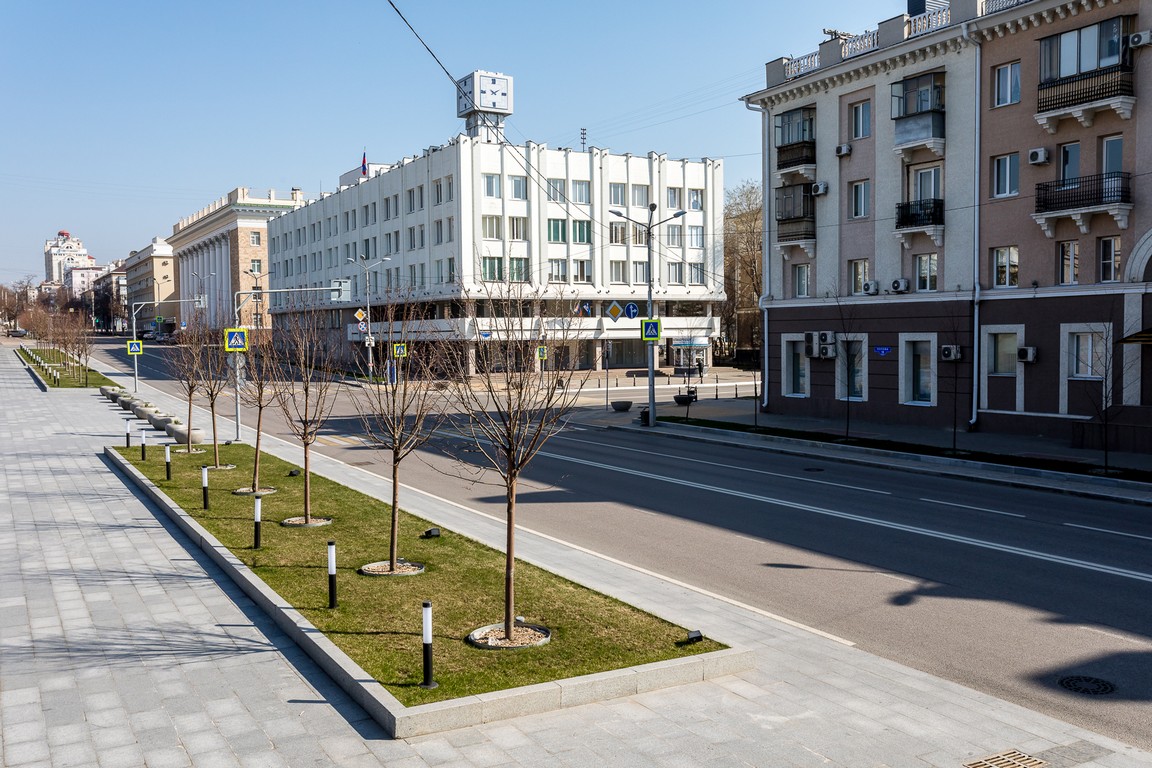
371 643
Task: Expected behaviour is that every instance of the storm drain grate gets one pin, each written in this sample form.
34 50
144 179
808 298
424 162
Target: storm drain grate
1093 686
1010 759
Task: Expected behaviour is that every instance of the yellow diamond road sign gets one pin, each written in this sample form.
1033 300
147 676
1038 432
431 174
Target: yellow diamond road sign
615 310
360 314
235 339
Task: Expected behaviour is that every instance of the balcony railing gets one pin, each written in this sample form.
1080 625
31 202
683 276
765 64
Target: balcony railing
1084 192
801 65
796 229
995 6
797 153
920 213
1085 88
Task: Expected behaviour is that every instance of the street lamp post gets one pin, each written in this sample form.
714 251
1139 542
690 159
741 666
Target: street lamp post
651 277
369 340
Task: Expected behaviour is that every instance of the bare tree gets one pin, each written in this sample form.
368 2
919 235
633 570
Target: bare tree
186 362
513 403
401 415
305 384
259 390
213 371
744 264
848 366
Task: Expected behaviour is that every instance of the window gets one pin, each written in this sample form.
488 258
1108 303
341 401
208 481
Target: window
491 185
419 200
448 189
254 238
1068 254
556 188
861 192
926 272
696 273
1006 175
255 266
617 194
676 235
557 230
1005 267
640 195
695 236
695 199
857 274
1089 355
411 238
519 187
557 270
491 227
675 198
451 267
451 229
582 231
926 183
795 125
1109 259
437 231
411 196
437 195
797 369
619 271
852 386
918 359
1081 50
800 280
862 120
1006 89
492 268
1070 163
439 271
617 233
582 271
676 273
518 269
915 95
581 192
517 228
1003 354
640 272
639 235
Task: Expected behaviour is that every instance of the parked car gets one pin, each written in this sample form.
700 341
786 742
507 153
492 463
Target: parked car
148 335
163 338
18 332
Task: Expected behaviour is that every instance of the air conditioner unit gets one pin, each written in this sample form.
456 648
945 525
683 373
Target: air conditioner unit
1038 156
1139 39
820 188
827 337
812 344
843 150
827 351
871 287
950 353
900 285
1026 354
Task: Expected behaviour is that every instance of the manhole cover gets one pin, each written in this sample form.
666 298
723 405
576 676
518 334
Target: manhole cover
813 469
1090 685
1011 759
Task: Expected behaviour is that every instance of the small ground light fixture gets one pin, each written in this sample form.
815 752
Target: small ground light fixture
695 636
431 533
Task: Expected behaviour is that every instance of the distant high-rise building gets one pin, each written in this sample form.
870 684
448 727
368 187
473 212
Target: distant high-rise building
62 254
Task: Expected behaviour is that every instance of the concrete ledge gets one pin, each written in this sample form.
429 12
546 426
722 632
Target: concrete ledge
403 722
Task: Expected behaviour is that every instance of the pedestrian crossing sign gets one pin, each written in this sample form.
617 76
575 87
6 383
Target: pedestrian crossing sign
135 347
650 330
235 339
399 349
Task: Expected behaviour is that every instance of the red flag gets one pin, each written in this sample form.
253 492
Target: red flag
364 165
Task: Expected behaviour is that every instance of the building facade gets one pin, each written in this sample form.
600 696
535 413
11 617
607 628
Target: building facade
223 249
953 238
109 301
151 287
478 217
63 253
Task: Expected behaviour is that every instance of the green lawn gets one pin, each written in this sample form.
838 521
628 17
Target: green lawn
378 621
71 376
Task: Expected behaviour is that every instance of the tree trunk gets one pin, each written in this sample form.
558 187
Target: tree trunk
189 423
256 463
394 534
510 559
307 483
215 442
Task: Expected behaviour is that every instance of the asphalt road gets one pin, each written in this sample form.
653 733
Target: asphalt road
1006 590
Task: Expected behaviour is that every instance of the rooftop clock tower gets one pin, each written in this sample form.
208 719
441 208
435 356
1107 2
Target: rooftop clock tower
484 99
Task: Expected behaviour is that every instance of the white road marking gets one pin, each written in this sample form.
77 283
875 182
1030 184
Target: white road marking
1105 530
969 506
1117 636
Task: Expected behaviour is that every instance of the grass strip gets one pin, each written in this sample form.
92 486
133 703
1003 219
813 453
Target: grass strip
378 621
71 375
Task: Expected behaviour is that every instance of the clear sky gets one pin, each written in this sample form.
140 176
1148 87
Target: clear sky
119 118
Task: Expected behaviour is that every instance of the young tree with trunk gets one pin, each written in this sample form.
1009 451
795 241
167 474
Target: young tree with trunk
214 370
744 264
259 389
186 361
305 383
401 415
516 401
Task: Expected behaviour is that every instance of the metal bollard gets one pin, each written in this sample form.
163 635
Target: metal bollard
127 433
143 445
428 683
204 483
256 525
331 574
167 462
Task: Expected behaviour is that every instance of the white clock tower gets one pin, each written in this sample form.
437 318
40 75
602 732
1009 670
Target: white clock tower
484 99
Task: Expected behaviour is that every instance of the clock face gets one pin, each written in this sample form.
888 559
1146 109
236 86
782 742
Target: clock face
494 93
483 92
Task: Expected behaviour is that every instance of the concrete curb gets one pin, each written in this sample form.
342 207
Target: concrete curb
31 369
403 722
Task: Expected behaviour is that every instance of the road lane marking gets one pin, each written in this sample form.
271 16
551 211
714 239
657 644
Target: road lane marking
1125 638
969 506
1105 530
726 466
954 538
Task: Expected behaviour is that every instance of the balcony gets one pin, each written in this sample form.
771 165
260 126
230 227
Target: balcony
1080 198
1082 96
918 112
798 158
924 216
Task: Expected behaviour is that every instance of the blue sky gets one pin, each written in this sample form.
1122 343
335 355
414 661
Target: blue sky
122 117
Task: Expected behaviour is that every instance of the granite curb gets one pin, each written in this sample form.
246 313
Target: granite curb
401 721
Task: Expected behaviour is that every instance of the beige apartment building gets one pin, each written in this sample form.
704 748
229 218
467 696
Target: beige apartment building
150 279
954 233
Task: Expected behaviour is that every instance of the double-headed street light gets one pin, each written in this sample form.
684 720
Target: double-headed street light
651 276
369 340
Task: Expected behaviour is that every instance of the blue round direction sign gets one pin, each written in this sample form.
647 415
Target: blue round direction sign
631 311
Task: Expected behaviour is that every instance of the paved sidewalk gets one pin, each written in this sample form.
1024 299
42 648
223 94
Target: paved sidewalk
121 647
